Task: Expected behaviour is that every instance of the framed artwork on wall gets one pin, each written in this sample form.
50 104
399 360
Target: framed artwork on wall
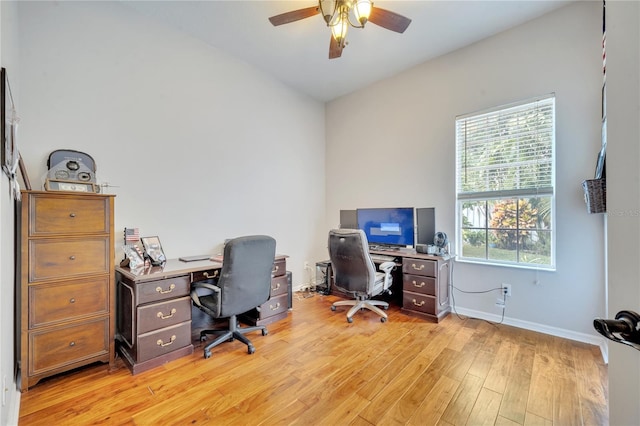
10 157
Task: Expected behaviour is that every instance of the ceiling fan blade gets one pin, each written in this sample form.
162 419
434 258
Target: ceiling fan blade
335 49
389 20
294 15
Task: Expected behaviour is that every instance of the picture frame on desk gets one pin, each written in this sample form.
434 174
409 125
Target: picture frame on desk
153 249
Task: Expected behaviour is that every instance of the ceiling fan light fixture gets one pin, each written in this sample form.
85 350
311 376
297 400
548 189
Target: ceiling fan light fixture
362 10
328 9
339 29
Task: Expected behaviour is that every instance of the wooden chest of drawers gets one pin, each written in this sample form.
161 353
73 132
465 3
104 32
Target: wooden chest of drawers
425 287
279 303
66 294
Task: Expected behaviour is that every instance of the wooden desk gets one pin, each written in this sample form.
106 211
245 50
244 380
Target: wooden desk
154 308
425 282
154 311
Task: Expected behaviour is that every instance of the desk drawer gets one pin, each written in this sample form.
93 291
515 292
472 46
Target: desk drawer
163 341
419 267
419 302
273 306
68 215
169 288
67 345
205 275
419 284
279 268
57 258
279 285
51 303
159 315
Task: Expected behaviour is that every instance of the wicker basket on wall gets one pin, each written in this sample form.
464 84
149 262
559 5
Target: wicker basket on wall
595 195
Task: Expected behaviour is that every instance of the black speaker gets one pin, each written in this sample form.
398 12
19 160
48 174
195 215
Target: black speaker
426 224
348 219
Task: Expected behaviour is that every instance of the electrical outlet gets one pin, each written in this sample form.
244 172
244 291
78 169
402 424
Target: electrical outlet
506 288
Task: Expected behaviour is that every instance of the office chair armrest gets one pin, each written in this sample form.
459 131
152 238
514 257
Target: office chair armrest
387 267
194 293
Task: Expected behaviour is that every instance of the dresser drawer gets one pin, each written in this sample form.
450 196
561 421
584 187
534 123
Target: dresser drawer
163 341
68 215
279 285
274 306
66 345
279 268
419 302
419 267
419 284
51 303
56 258
169 288
163 314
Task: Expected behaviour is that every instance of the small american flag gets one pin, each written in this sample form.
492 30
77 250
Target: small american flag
131 235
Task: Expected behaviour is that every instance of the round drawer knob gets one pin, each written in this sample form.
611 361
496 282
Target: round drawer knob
72 215
72 300
72 257
72 344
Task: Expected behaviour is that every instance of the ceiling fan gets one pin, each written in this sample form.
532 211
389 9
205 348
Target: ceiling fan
339 15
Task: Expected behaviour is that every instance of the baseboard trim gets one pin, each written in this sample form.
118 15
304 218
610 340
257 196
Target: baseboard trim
540 328
14 410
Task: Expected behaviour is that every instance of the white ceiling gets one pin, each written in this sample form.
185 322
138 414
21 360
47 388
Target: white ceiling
297 53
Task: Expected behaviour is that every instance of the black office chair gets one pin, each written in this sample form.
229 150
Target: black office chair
244 284
354 272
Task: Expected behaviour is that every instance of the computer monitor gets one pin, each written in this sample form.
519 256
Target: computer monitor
387 226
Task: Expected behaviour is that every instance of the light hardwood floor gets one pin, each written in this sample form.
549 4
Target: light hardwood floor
314 368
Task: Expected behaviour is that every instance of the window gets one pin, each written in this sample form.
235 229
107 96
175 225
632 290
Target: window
505 182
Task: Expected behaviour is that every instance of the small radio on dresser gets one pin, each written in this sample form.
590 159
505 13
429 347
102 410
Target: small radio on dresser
72 171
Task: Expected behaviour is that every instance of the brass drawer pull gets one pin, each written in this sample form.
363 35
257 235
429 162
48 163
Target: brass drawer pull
276 287
418 304
214 275
415 284
72 257
275 269
163 316
413 265
161 343
161 291
275 308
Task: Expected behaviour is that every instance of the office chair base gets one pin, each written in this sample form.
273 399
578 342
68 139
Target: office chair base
372 305
228 335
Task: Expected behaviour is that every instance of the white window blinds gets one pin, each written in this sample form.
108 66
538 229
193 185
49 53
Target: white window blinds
506 152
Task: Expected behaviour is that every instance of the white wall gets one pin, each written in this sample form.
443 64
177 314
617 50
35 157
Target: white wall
201 146
9 60
623 200
403 154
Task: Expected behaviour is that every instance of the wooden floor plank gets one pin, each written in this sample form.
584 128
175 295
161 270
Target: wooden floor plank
316 368
485 410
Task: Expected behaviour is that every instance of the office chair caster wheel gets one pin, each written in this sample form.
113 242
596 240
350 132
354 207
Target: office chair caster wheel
383 319
333 308
385 307
203 338
250 349
207 354
349 320
265 332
